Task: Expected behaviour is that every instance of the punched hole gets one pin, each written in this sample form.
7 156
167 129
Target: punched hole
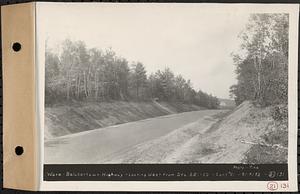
19 150
16 46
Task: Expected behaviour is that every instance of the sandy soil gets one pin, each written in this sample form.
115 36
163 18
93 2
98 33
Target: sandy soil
166 149
208 140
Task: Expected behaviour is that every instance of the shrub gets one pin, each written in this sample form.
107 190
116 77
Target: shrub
279 112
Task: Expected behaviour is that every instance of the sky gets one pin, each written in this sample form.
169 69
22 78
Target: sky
195 41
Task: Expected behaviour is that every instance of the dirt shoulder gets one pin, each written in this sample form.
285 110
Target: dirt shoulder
166 148
226 137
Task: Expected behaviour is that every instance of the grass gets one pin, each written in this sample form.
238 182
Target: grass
260 154
265 155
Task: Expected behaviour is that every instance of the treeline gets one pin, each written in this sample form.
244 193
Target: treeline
78 73
262 66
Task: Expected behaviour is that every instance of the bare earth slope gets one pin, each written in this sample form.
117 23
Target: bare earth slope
82 116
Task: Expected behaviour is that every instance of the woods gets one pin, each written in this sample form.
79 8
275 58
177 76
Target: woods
262 64
81 74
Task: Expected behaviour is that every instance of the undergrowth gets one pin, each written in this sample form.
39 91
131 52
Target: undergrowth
276 134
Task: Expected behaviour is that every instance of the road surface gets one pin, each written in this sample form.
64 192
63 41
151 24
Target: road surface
95 145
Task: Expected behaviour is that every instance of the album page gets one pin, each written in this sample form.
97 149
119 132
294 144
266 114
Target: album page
167 96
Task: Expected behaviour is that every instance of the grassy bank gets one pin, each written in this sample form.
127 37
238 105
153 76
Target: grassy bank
273 145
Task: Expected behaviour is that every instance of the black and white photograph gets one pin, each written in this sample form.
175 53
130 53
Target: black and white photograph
174 95
159 86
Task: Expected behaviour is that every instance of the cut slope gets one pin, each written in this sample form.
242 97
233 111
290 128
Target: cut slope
83 116
245 123
243 137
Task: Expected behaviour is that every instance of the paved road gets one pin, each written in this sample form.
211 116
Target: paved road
86 147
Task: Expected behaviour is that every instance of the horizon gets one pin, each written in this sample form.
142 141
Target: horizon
195 44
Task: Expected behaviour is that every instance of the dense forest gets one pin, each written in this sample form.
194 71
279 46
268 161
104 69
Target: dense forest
81 74
262 66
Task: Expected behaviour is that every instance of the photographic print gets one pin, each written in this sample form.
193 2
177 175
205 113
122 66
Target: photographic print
168 86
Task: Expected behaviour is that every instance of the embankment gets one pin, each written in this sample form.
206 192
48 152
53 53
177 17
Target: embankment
81 116
249 134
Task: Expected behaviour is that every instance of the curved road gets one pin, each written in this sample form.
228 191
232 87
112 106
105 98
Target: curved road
86 147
